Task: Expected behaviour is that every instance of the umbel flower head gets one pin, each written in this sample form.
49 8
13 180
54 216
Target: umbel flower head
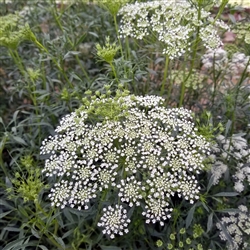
12 33
130 148
237 227
108 51
173 23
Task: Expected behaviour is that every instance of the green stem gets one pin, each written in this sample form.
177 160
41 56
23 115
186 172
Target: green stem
195 47
165 77
222 7
128 57
119 40
82 68
54 60
41 225
15 56
43 75
233 117
114 71
2 144
120 44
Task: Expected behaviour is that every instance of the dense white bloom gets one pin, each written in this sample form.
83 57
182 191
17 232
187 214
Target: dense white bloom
242 174
235 149
173 23
114 221
129 191
156 210
237 225
217 170
131 148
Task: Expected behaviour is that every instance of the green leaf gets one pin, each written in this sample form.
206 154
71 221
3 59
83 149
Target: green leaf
23 211
75 76
13 244
205 206
35 233
228 125
159 59
59 241
110 248
226 194
210 222
210 183
6 204
80 40
229 210
1 121
69 54
26 244
15 116
4 214
43 247
94 34
190 215
19 140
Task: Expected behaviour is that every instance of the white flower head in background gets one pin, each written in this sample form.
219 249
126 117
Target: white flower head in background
173 24
234 150
237 225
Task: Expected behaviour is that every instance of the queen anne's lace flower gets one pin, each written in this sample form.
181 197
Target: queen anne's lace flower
114 221
132 148
234 149
173 23
237 225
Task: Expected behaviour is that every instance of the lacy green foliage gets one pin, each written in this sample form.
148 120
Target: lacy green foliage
13 32
101 107
231 49
194 81
206 127
242 30
27 184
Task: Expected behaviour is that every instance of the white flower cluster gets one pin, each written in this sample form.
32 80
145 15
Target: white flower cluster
237 225
218 60
142 156
217 170
172 23
114 221
234 149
